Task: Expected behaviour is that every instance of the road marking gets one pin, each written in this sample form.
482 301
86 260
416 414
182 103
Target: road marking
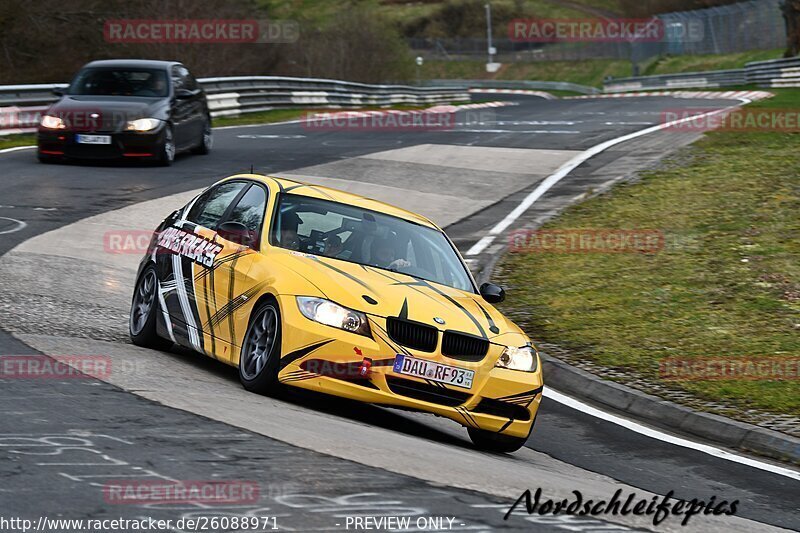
577 405
19 225
558 132
571 165
265 136
15 149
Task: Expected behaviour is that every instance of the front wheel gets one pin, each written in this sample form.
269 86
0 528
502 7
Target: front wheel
495 442
144 312
167 149
259 361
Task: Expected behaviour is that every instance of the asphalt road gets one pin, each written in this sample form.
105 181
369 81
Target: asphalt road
307 489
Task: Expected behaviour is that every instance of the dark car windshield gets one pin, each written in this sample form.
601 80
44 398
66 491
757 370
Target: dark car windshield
365 237
120 82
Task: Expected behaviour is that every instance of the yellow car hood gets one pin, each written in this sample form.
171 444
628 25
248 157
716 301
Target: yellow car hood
396 294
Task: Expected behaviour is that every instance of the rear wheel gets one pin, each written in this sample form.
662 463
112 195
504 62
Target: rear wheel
206 141
144 312
495 442
47 159
259 361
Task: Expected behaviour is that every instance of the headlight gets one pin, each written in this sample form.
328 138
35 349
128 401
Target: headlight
143 124
52 123
524 358
331 314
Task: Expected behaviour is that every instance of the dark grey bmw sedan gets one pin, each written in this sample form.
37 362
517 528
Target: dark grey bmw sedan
127 109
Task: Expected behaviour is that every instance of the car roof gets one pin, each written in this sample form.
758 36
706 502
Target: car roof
327 193
131 63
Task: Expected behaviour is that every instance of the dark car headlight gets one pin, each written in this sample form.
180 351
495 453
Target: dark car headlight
143 124
334 315
524 359
52 122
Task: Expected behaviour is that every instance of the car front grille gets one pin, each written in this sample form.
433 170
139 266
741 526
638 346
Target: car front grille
412 334
425 392
507 410
464 347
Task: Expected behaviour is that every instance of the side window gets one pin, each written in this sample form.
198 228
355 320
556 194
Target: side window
178 77
249 211
212 204
190 82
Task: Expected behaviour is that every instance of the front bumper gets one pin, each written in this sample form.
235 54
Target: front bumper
124 145
329 360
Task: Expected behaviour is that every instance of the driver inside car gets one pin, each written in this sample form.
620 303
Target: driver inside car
383 256
289 224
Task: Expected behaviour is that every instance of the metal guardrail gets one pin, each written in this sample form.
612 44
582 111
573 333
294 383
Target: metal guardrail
21 105
775 72
772 73
516 84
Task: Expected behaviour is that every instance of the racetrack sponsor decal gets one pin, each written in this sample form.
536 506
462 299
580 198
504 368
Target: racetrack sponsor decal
199 249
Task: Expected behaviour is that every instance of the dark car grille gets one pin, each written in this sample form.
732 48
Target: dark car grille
464 347
412 334
427 393
507 410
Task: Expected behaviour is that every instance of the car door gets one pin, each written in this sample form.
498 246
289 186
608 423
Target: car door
186 108
233 285
189 255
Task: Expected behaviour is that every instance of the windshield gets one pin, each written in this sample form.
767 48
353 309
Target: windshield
120 82
356 235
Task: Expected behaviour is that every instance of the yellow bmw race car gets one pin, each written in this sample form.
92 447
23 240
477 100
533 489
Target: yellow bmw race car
321 289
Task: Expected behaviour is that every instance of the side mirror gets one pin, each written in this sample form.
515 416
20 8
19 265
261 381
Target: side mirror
58 92
236 232
184 94
494 294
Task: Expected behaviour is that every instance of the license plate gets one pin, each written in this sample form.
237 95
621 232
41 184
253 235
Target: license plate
93 139
411 366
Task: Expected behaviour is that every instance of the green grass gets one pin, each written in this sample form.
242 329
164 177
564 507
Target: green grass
726 284
10 141
589 72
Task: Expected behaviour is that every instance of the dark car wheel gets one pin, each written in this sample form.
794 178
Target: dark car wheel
144 312
206 141
47 159
259 361
166 154
494 442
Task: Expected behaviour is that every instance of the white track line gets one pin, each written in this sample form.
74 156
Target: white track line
666 437
571 165
15 149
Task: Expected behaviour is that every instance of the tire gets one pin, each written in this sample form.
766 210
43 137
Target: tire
494 442
206 140
259 360
144 312
167 150
47 159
